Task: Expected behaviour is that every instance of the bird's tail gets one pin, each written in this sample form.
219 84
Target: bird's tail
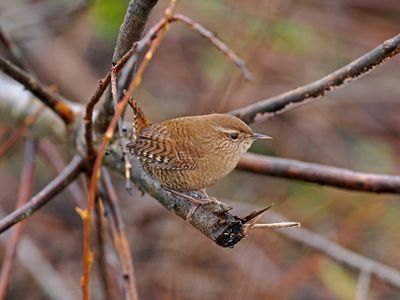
140 120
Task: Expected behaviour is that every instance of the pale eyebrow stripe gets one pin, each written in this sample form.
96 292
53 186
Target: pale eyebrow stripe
226 130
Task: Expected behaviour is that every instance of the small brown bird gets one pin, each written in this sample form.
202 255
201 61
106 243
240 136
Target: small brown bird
190 153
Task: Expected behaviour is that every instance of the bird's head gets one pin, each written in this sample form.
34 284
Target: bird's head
232 134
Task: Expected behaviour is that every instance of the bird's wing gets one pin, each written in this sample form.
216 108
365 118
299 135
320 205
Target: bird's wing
156 148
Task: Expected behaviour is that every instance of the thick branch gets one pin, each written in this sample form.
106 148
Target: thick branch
130 32
70 172
325 175
211 219
52 100
269 107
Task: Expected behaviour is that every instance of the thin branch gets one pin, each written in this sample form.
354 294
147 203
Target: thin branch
52 100
25 191
209 35
16 136
270 107
88 118
45 195
325 175
110 199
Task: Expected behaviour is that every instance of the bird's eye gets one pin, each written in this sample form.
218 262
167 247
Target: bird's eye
234 136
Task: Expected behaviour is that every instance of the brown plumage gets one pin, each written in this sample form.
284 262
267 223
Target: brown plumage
190 153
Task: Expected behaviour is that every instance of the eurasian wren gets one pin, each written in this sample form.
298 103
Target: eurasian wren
190 153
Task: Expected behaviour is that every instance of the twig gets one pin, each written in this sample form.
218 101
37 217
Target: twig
325 175
52 100
45 195
16 136
274 225
270 107
88 119
363 285
13 51
27 181
119 236
209 35
108 284
128 166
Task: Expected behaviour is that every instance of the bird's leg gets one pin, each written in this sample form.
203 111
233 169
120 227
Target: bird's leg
197 201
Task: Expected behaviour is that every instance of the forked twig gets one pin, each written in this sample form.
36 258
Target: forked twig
50 153
71 171
209 35
94 99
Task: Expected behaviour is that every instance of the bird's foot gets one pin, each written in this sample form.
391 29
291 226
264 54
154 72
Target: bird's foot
198 198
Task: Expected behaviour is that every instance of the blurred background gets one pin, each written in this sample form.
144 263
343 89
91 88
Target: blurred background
286 44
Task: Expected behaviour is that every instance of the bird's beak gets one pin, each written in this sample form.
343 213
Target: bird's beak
259 136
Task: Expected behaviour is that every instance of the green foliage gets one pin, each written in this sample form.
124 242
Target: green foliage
107 16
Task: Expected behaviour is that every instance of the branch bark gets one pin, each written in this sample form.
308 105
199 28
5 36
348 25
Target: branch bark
325 175
270 107
52 100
